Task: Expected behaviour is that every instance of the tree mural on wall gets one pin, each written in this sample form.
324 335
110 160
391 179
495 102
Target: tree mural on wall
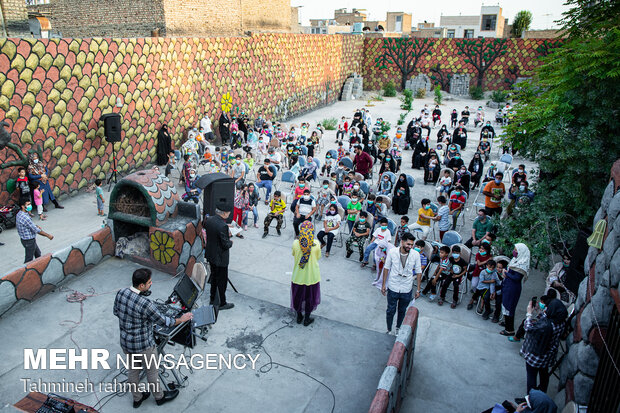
481 54
547 47
440 77
404 54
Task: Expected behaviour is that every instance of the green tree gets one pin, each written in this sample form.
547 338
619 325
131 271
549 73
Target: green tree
481 53
522 22
404 53
566 121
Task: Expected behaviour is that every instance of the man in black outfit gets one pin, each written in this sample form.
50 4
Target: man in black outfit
216 252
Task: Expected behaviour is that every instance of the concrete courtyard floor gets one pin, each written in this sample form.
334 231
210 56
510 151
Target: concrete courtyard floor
461 362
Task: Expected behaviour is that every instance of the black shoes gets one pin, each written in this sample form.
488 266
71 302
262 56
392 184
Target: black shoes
300 317
168 396
349 253
145 395
308 320
265 234
279 232
227 306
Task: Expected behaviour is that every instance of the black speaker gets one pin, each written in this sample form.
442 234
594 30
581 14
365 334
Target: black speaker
112 127
218 188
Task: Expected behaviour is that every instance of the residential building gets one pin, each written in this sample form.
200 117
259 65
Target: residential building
398 22
344 17
429 30
489 23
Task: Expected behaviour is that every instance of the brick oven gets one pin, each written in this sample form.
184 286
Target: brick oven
145 206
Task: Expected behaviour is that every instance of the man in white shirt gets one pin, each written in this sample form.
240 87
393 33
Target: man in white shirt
401 263
274 157
205 124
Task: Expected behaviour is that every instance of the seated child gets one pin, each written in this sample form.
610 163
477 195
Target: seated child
347 186
385 186
402 229
458 268
445 182
485 288
361 231
442 273
483 255
277 206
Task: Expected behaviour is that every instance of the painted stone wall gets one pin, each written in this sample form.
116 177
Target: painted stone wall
53 92
598 293
521 57
42 275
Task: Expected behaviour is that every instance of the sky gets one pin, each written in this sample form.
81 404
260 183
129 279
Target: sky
544 12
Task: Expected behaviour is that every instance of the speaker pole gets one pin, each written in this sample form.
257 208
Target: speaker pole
113 175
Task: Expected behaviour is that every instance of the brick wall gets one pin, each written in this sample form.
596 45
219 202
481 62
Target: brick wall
202 18
266 15
15 18
107 18
53 92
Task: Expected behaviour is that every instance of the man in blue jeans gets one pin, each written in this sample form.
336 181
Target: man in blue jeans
400 265
265 177
28 231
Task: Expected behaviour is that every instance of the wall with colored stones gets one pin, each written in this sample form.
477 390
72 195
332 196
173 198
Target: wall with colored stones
522 55
395 378
598 293
53 92
44 274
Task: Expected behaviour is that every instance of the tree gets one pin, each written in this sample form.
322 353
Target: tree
404 53
481 53
566 121
521 23
441 78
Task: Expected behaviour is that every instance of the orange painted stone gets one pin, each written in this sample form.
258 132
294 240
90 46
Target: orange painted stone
15 277
29 286
75 262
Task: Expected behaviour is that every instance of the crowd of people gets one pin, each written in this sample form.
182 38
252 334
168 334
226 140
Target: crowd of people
354 194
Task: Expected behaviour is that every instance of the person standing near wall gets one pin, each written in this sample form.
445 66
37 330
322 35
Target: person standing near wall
28 231
217 252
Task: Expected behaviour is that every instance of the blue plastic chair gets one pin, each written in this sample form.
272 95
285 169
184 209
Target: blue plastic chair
344 200
506 158
410 181
302 161
364 187
348 163
391 175
317 162
333 153
304 150
392 227
452 237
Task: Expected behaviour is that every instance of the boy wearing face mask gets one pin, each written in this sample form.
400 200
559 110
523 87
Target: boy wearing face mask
485 289
324 195
300 188
457 203
425 215
482 227
305 208
402 229
494 192
442 273
482 257
353 209
361 231
457 268
382 235
328 165
357 192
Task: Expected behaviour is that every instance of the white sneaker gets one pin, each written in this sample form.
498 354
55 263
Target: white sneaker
396 332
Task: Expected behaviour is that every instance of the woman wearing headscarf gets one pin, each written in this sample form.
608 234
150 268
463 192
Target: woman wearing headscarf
431 168
164 145
518 268
402 197
476 168
463 177
542 338
418 159
38 172
224 128
443 131
305 284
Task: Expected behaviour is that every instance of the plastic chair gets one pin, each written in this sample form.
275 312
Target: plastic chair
392 227
289 177
304 151
317 161
386 200
333 153
410 181
370 220
451 238
364 187
302 161
348 163
344 200
391 175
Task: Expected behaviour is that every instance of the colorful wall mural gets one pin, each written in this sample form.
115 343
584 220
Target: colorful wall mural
53 92
521 56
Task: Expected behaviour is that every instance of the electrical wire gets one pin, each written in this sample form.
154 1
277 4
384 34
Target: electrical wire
265 368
